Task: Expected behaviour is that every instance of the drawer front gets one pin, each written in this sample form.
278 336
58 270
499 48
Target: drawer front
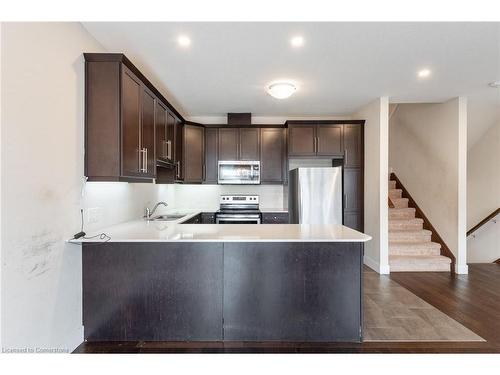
275 218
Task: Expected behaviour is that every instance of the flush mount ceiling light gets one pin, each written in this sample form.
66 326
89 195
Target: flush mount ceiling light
495 84
281 90
184 41
297 41
424 73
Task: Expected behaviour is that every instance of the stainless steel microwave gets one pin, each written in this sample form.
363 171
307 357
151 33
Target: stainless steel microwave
239 172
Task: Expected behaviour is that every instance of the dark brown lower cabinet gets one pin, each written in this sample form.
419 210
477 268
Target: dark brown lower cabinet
222 291
194 220
275 218
208 218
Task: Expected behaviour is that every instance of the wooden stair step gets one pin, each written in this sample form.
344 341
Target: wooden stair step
414 248
392 184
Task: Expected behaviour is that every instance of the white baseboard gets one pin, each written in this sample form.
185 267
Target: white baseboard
376 266
462 269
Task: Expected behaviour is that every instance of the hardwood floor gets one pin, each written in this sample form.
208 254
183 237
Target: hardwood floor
473 300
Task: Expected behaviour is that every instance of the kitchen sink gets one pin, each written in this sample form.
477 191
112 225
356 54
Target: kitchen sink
171 217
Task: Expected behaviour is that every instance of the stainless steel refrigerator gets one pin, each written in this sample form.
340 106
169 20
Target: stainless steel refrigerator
315 195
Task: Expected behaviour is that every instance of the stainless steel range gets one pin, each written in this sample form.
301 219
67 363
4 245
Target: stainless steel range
238 209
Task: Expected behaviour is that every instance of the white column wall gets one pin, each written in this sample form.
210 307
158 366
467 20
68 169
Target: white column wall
376 190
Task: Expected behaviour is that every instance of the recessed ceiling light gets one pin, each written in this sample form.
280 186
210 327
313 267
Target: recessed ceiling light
184 41
281 90
495 84
297 41
424 73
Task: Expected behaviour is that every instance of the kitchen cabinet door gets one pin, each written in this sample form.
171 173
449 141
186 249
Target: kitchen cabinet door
194 153
353 145
329 139
275 218
353 189
272 149
302 140
249 144
148 133
161 131
164 124
354 220
228 144
179 148
131 124
211 155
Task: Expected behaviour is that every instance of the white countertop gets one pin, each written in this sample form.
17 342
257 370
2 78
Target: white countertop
172 231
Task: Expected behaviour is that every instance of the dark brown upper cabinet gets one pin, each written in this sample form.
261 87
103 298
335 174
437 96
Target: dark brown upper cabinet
124 114
211 152
353 145
179 149
329 140
228 144
165 123
272 155
314 140
119 124
239 143
302 140
194 153
249 144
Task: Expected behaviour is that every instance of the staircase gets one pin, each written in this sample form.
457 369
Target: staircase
410 246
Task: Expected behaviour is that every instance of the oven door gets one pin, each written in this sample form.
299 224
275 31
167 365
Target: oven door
237 219
239 172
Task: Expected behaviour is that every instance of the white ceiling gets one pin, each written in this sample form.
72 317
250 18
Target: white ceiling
341 67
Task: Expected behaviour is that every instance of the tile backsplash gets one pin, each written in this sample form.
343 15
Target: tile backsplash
206 197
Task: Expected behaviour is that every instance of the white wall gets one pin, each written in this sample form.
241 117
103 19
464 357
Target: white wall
428 148
42 114
483 196
376 184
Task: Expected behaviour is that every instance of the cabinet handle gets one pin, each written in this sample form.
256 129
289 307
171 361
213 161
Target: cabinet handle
345 201
178 167
142 163
169 149
146 160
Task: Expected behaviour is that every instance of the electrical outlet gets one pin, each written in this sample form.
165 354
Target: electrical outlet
94 215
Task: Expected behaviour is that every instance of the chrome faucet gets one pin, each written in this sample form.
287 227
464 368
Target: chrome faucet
148 212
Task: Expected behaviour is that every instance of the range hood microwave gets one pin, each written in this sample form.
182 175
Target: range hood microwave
239 172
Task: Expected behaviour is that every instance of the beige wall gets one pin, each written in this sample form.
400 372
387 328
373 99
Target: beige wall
42 116
376 184
426 151
483 196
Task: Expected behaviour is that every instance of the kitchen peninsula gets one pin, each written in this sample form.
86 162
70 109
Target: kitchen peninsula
157 281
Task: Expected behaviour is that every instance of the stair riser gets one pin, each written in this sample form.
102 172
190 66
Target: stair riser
392 184
395 194
406 237
405 226
402 215
420 268
400 203
413 251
